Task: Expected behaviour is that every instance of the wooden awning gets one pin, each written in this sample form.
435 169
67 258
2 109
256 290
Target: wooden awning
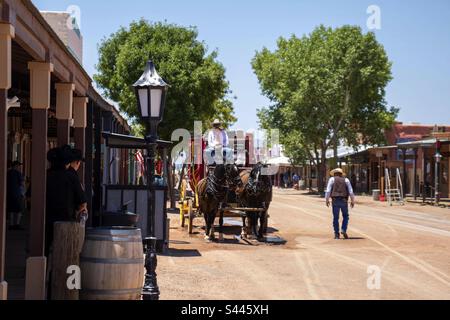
120 141
426 143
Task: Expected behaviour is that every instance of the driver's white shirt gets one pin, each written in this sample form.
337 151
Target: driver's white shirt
217 138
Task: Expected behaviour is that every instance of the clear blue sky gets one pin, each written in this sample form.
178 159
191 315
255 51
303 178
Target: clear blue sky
416 36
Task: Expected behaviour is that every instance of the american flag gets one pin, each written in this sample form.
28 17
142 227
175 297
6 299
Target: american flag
140 160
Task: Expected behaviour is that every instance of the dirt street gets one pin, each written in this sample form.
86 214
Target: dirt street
409 245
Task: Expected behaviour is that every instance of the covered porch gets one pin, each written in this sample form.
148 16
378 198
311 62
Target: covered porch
46 100
366 167
428 173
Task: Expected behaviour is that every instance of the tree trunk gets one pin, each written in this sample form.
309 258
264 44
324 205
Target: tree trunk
322 172
309 178
320 188
334 161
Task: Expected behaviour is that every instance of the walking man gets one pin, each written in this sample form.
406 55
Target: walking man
339 189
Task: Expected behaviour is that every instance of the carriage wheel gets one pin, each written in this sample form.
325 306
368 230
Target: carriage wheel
191 217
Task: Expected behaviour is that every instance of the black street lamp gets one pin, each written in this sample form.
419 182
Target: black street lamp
151 92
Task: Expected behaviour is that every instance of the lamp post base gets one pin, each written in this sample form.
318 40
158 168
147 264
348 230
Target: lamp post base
150 290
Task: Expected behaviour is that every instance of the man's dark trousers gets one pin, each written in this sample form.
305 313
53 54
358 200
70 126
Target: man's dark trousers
340 204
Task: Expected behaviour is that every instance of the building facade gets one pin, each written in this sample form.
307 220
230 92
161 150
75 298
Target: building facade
46 100
67 29
410 151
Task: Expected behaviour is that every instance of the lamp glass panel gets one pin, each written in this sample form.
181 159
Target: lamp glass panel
156 95
143 101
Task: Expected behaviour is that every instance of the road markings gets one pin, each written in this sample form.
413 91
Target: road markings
401 223
419 266
431 267
405 258
316 276
387 275
299 257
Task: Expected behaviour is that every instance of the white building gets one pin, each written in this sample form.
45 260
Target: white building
67 29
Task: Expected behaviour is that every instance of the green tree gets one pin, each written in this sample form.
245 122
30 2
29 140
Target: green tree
326 87
199 90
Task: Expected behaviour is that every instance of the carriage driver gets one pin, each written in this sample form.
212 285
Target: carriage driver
218 143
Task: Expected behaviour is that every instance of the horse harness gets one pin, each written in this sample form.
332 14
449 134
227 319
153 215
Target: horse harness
215 188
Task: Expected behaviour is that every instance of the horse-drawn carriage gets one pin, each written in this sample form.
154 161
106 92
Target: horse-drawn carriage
228 189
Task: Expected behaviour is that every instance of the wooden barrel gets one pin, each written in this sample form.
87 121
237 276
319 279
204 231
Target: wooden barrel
112 264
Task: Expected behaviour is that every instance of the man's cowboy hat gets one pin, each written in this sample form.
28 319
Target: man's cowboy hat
77 155
217 122
338 170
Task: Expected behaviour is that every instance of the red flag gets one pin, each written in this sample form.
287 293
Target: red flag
140 159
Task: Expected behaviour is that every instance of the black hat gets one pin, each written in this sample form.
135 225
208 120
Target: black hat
16 163
66 154
77 155
59 156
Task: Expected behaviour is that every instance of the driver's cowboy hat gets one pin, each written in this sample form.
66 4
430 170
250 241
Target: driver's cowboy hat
217 122
338 170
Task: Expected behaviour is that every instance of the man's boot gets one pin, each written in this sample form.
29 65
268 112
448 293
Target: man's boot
345 235
336 236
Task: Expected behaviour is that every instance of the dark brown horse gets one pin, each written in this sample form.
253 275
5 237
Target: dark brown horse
212 192
256 192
